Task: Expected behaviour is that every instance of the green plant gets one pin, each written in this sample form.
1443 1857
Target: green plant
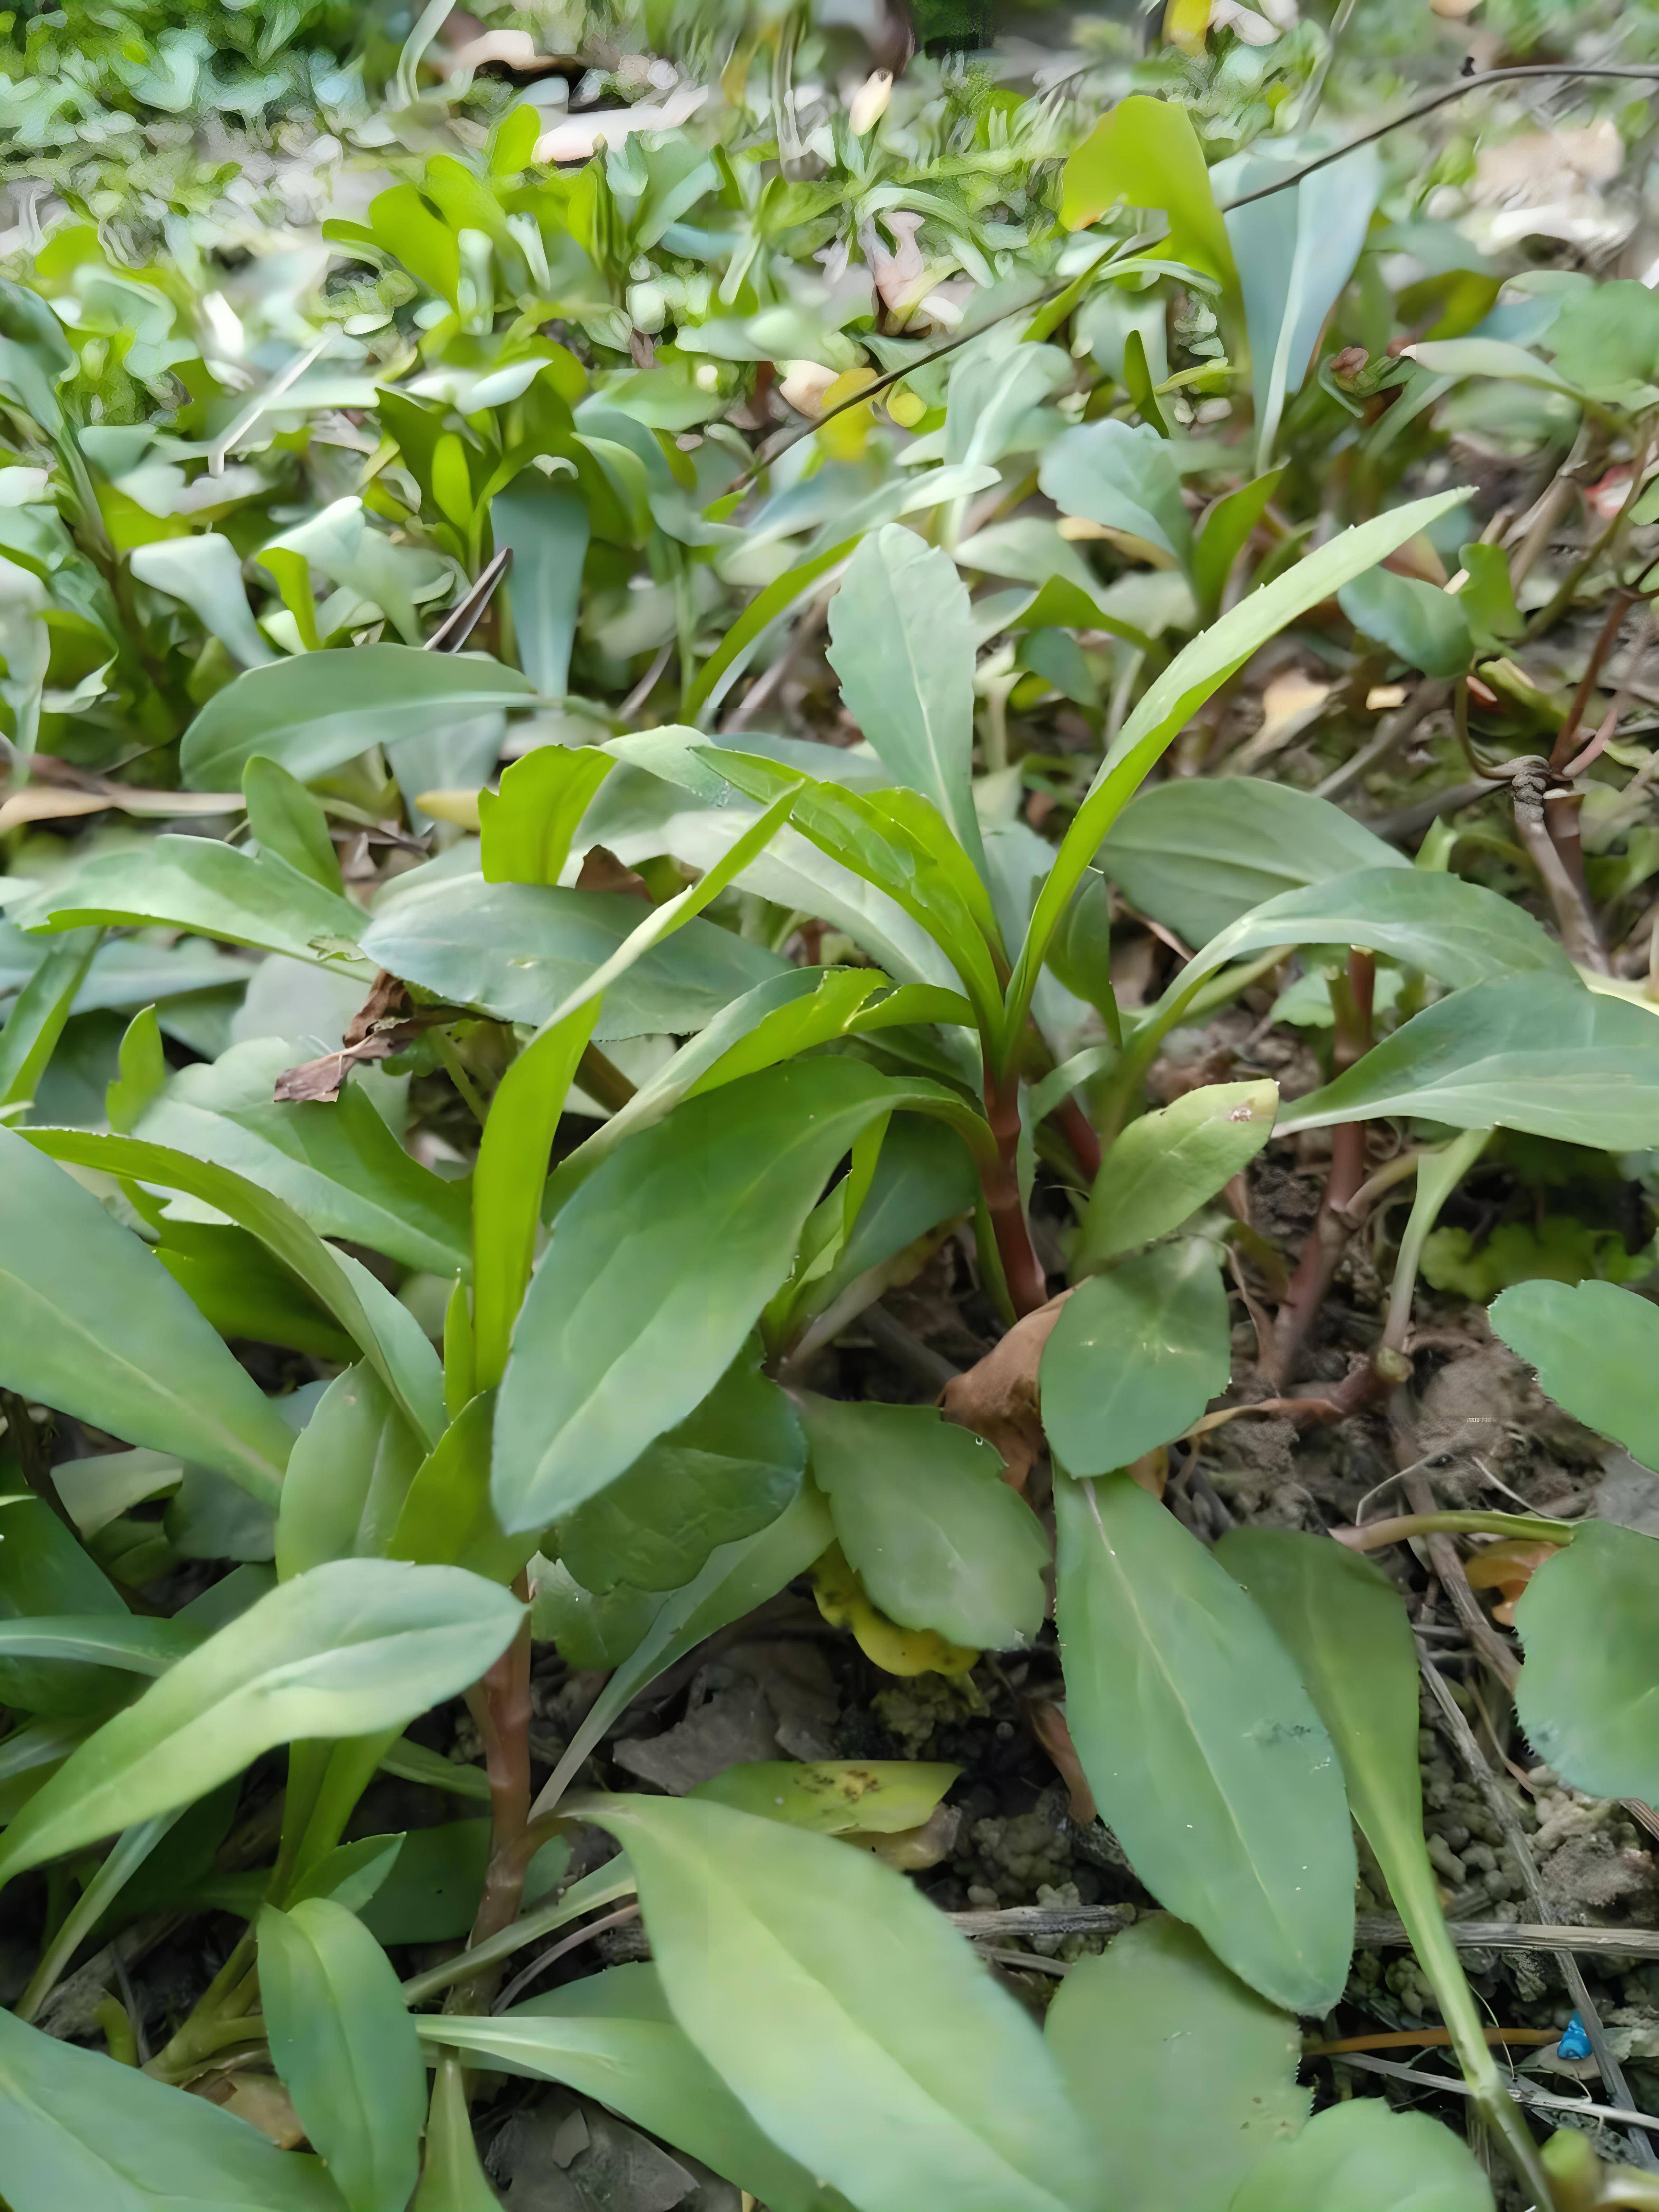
564 1115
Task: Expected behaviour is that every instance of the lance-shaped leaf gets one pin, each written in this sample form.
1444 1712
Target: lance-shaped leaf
520 951
342 2041
351 1647
1169 1163
347 1475
315 711
1123 477
544 526
1590 1626
1534 1052
1169 702
1205 1756
923 1513
835 1797
527 825
1198 851
819 1984
1345 1625
77 2129
1134 2029
218 890
659 1269
1458 932
613 2037
387 1334
96 1327
902 642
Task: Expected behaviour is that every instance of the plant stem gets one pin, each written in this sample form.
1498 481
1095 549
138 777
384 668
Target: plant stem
501 1703
1028 1286
1399 1528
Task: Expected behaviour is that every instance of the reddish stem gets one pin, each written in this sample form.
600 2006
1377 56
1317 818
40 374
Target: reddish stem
500 1703
1078 1132
1028 1286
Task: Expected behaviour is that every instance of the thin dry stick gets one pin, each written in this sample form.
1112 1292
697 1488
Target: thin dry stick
550 1957
1449 1566
1504 1812
1523 2091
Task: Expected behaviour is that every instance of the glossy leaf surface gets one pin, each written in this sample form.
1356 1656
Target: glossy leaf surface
1169 1163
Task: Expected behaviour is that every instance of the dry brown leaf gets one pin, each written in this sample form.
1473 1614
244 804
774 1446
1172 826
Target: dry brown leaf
1048 1727
997 1397
385 1024
601 871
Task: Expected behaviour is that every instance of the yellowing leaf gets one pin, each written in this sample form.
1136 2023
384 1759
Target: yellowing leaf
896 1650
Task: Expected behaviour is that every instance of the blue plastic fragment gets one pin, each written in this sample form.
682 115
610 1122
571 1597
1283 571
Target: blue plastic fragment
1575 2043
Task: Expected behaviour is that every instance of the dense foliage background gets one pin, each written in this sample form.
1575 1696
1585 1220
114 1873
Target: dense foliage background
828 882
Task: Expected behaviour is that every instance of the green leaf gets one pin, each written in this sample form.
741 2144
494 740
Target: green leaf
727 662
520 951
100 1640
35 357
230 1276
1488 598
819 1984
834 1798
1226 528
1367 2158
452 2179
660 1631
316 711
1135 1357
1424 626
142 1073
1135 2030
338 1167
902 642
898 842
81 2130
1296 252
613 2037
726 1470
1146 152
96 1327
1198 851
545 529
1596 1348
387 1334
1205 1756
431 1893
1534 1051
1123 477
1171 700
1345 1625
288 820
1605 342
347 1475
1590 1628
1169 1163
927 1521
527 825
205 572
350 1647
1459 357
343 2041
659 1269
1457 932
39 1013
198 883
45 1572
447 1517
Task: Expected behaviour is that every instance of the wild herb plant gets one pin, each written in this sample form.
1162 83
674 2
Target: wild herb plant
820 1007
